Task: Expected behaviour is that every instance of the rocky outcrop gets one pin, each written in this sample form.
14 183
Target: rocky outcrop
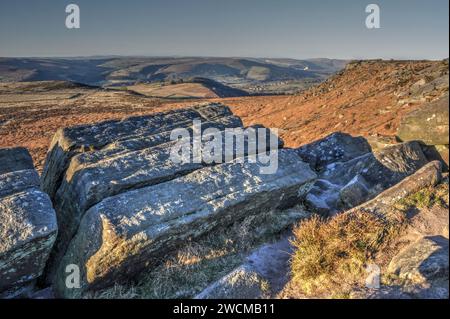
422 267
337 147
27 224
343 185
89 163
431 86
430 126
123 203
68 142
427 176
125 233
93 177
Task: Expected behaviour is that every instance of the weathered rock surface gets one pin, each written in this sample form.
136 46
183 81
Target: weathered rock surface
422 260
144 142
430 126
429 88
91 178
125 233
28 230
15 182
432 221
15 159
69 142
242 283
378 142
428 175
420 268
88 163
423 268
263 274
27 224
343 185
437 153
337 147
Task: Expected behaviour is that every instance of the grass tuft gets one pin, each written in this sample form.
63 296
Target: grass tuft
331 255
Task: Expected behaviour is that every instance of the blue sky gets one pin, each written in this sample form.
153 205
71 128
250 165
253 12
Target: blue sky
410 29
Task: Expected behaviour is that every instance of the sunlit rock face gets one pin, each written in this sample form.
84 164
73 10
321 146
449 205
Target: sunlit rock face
27 224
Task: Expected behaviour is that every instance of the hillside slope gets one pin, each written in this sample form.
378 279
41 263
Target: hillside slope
366 98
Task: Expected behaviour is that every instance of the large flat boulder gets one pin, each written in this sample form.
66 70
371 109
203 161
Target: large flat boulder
68 142
126 233
432 221
146 141
27 224
429 125
93 177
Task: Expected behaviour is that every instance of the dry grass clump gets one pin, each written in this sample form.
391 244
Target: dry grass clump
331 255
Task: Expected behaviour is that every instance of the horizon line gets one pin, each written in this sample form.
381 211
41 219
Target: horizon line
99 56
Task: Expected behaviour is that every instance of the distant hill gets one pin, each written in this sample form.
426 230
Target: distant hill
240 73
219 89
86 71
190 88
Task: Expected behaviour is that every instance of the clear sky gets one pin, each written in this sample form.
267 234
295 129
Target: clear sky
251 28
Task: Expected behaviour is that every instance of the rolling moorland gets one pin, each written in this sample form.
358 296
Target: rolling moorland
251 75
354 125
367 98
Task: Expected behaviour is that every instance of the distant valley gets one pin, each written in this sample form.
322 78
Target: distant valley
233 76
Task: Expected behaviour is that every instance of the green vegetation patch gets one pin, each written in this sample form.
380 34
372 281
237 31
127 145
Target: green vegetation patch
427 198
